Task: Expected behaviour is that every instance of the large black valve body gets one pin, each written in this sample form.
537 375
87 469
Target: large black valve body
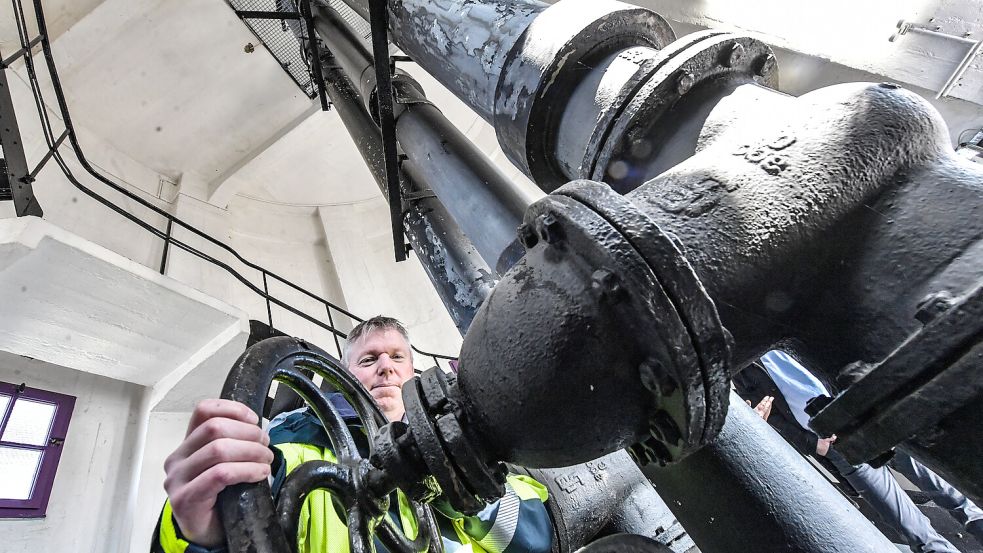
696 219
822 224
823 228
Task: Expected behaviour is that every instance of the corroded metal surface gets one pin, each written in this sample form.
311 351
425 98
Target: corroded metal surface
736 494
461 278
464 44
606 496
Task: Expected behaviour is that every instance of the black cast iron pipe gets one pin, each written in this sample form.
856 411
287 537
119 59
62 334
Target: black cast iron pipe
459 275
757 493
486 205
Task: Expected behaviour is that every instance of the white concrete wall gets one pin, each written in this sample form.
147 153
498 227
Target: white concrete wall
359 241
165 432
286 240
93 498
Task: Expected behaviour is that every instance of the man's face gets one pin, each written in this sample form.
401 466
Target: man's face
382 361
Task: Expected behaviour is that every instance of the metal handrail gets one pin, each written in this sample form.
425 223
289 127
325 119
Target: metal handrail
54 144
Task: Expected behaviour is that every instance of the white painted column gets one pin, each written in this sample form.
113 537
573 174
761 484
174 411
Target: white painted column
360 243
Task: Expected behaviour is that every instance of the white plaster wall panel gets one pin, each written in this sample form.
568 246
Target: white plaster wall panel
317 163
360 242
291 241
181 390
165 431
73 303
852 33
287 240
168 83
91 507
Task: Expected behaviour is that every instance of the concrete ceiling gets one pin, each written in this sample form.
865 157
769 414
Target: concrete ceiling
170 84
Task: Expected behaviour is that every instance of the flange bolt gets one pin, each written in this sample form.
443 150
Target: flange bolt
527 236
605 283
734 56
685 82
549 228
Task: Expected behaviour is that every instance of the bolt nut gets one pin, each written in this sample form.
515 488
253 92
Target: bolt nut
655 378
934 305
527 236
767 66
605 283
734 56
664 428
685 82
549 228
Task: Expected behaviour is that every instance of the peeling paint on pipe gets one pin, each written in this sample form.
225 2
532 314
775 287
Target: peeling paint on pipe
464 44
460 277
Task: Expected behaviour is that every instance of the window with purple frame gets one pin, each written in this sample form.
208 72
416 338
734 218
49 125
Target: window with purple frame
33 425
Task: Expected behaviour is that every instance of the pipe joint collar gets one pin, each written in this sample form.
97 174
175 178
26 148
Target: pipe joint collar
548 59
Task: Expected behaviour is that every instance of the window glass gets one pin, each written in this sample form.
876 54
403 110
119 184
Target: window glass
29 422
18 471
4 401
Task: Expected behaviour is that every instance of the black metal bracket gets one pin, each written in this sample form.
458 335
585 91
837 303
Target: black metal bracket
13 57
18 175
379 23
315 53
410 197
253 14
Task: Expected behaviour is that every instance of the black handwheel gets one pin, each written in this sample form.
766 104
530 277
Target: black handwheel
253 524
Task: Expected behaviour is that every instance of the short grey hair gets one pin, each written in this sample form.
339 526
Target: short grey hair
368 326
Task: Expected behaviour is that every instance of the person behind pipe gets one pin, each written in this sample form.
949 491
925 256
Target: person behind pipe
224 446
779 391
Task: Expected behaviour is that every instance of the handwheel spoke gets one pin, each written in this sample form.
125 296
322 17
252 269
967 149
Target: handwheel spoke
359 532
334 425
356 394
397 541
310 476
362 490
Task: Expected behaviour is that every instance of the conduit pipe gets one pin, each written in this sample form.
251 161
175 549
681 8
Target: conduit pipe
459 275
486 205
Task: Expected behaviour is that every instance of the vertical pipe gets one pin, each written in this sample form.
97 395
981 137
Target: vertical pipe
269 309
460 277
482 200
750 490
167 245
337 343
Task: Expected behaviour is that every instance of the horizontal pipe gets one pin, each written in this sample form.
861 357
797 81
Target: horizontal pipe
750 490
